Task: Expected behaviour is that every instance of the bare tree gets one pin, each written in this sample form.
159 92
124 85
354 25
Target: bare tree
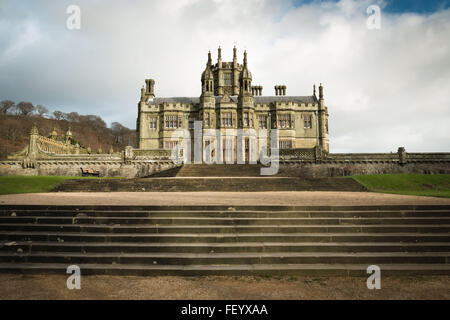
58 115
73 117
5 105
25 108
119 131
41 110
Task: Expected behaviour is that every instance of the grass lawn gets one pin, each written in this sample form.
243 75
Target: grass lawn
32 184
435 185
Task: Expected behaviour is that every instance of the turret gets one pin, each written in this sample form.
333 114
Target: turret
245 100
54 134
321 100
323 122
235 73
68 136
219 57
245 80
208 79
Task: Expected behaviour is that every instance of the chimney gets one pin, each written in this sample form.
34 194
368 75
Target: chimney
150 90
257 90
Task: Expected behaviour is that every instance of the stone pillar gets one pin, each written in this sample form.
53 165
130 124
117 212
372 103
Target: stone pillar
402 157
128 155
33 142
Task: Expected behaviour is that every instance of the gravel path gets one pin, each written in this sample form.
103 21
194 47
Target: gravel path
300 198
236 288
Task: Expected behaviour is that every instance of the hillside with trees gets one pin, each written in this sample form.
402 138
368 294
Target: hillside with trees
16 120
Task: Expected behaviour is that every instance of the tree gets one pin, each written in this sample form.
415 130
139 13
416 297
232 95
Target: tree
118 131
58 115
25 108
5 105
41 110
73 117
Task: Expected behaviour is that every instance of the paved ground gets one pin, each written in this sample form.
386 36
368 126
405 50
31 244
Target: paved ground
300 198
237 288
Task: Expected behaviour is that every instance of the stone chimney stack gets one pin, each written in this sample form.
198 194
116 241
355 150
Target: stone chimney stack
150 88
280 90
257 90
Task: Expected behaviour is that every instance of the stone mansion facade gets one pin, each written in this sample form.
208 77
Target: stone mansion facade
229 102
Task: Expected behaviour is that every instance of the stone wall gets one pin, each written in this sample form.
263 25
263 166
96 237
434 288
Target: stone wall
323 170
106 169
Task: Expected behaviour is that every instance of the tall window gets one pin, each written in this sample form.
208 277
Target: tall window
170 144
207 120
152 123
262 121
171 122
284 121
285 144
227 120
246 119
227 79
307 122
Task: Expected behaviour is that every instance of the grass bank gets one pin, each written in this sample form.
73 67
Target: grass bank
437 185
32 184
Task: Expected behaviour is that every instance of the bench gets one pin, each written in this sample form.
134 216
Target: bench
89 172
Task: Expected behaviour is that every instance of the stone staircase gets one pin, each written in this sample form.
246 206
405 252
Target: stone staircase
213 170
217 240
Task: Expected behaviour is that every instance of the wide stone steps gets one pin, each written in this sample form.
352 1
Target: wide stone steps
213 170
221 237
225 240
242 183
228 269
223 229
227 258
42 246
210 221
78 213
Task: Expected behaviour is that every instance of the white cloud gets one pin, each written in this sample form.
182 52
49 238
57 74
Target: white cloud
384 88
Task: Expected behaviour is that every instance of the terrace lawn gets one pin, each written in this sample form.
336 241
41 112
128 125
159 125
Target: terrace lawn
435 185
32 184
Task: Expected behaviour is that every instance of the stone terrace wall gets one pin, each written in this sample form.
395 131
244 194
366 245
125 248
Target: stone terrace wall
126 164
73 168
340 164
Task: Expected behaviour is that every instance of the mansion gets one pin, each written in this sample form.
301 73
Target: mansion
229 102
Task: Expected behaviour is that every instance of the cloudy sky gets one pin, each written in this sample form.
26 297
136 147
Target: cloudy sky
384 88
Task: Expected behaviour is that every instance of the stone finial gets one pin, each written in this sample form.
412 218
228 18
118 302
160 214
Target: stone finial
209 58
314 90
234 53
245 58
68 133
111 150
54 134
219 56
321 91
34 130
402 157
